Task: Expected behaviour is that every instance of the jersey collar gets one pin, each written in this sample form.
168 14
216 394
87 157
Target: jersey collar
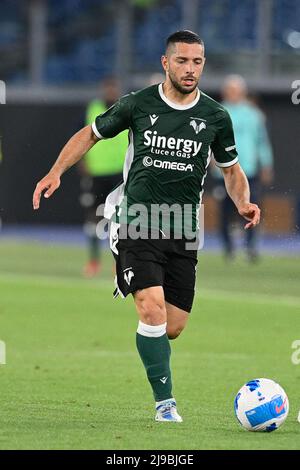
179 107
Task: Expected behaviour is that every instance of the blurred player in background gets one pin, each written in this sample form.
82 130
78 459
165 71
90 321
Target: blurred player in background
255 156
1 158
101 171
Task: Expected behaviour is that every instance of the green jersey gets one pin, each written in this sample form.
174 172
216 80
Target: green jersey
170 147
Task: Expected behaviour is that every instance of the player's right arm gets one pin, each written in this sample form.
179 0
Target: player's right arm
72 152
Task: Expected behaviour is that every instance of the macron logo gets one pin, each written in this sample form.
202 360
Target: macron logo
153 118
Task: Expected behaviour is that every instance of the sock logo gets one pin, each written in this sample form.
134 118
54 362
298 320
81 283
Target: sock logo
164 379
128 275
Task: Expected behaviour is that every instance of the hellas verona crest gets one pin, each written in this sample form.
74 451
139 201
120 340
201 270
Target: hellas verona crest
197 126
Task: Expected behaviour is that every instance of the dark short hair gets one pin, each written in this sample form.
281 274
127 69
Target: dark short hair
184 36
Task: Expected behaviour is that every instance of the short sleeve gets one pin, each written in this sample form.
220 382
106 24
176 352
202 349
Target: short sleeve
115 120
223 147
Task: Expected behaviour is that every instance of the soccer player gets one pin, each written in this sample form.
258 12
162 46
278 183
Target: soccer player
173 128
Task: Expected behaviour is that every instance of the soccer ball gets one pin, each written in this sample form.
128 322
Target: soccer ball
261 405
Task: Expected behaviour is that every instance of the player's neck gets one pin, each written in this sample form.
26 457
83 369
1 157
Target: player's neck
176 96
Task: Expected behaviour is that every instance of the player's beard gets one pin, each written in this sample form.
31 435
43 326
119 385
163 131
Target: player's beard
179 87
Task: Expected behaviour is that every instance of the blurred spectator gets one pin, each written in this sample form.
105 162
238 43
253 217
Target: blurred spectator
255 157
1 157
101 170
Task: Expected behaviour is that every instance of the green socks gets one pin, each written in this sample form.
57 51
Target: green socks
154 348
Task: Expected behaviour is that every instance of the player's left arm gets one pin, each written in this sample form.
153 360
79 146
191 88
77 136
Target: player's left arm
238 189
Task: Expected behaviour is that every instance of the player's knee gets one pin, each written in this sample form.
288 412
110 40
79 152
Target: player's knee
152 309
174 332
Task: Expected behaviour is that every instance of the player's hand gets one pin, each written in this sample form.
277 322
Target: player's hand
250 212
50 183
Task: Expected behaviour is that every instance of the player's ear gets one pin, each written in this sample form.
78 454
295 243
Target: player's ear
164 63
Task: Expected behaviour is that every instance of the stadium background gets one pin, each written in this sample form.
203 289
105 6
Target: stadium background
53 55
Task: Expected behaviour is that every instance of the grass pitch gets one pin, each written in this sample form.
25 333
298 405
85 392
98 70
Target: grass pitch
73 378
